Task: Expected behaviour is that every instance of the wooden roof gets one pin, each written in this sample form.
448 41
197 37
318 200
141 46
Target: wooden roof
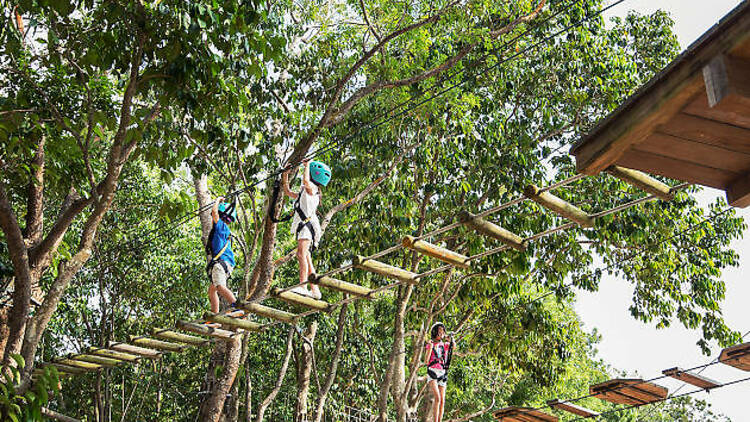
635 392
691 122
523 414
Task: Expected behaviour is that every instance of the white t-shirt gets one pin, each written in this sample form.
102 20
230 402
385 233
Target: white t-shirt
309 205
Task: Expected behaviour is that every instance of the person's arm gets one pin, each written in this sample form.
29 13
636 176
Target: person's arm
285 185
215 209
309 186
428 352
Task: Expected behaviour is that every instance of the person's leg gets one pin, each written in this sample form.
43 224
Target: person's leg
226 294
303 246
213 298
441 388
436 402
310 271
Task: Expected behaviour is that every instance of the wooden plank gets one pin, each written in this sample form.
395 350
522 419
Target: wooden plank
136 350
385 270
79 364
346 287
629 391
205 330
101 360
237 323
676 169
72 370
300 300
707 131
693 379
696 152
156 344
170 335
523 414
492 230
113 354
726 77
437 252
269 312
661 98
559 206
572 408
738 192
642 181
737 356
731 110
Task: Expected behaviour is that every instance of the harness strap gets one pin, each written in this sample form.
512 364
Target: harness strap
304 220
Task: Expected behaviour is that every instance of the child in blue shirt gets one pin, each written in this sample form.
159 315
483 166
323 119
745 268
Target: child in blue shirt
221 258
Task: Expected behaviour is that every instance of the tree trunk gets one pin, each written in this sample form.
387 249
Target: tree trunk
323 393
304 370
279 380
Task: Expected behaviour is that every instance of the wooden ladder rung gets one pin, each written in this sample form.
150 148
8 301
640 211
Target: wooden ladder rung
88 366
345 287
205 330
171 335
643 182
112 354
101 360
73 370
229 321
559 206
572 408
300 300
136 350
437 252
492 230
693 379
385 270
151 343
268 312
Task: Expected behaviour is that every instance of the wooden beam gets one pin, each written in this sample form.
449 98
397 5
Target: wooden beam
726 79
79 364
156 344
443 254
385 270
707 131
136 350
112 354
643 182
738 192
237 323
737 356
572 408
101 360
559 206
629 391
300 300
677 169
268 312
693 379
72 370
492 230
346 287
205 330
523 414
171 335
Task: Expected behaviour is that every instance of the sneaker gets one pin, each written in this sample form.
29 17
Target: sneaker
315 294
302 291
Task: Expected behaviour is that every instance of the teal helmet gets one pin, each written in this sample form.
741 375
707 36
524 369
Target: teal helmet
227 212
320 174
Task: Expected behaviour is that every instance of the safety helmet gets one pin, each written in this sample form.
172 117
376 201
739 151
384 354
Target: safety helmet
434 329
227 212
320 174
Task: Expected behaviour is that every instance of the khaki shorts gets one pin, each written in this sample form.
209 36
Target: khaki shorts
219 277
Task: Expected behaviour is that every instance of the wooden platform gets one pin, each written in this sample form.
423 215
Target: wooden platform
523 414
736 356
572 408
691 122
629 391
691 378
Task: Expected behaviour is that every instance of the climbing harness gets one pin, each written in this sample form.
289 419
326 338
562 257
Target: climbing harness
228 213
305 221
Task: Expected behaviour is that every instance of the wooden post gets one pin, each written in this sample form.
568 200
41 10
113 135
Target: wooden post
643 182
237 323
156 344
492 230
112 354
78 364
269 312
384 269
171 335
136 350
205 330
561 207
300 300
101 360
345 287
435 251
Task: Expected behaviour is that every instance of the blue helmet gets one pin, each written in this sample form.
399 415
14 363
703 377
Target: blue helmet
320 174
227 212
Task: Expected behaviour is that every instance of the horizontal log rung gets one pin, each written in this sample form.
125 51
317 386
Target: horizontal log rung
101 360
437 252
170 335
113 354
559 206
492 230
268 312
205 330
152 343
643 182
300 300
384 269
345 287
237 323
136 350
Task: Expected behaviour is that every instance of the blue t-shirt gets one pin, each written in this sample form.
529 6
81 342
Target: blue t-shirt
221 236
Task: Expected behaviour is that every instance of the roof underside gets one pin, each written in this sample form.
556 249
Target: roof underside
691 122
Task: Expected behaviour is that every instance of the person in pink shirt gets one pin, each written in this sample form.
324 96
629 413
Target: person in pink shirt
438 354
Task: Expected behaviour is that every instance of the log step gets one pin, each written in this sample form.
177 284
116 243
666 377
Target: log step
112 354
643 182
445 255
66 369
693 379
559 206
229 321
300 300
492 230
156 344
205 330
268 312
385 270
88 366
345 287
136 350
171 335
101 360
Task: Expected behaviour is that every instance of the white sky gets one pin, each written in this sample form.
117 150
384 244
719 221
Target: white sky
640 349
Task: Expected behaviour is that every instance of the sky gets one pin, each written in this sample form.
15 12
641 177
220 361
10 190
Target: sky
642 350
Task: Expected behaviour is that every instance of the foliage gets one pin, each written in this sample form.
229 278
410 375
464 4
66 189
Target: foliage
27 406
